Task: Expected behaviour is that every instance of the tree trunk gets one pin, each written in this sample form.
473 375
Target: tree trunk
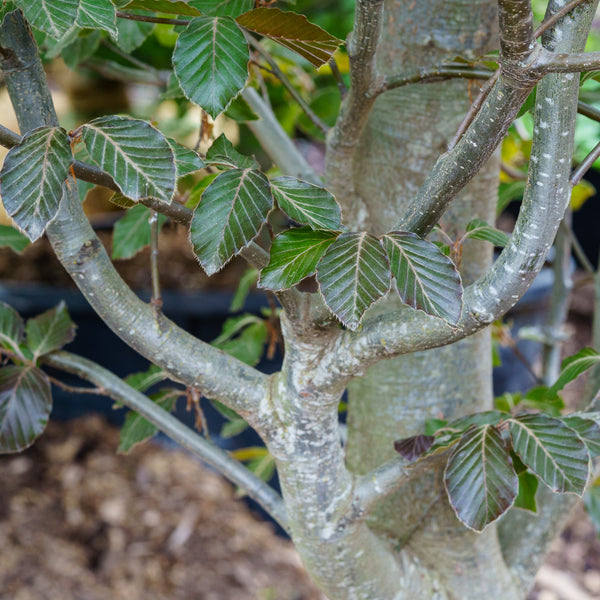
406 132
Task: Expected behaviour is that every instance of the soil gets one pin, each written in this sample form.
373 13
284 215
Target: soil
79 522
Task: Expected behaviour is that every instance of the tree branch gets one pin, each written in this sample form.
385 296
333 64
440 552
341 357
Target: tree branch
118 390
547 195
186 358
152 19
357 105
516 29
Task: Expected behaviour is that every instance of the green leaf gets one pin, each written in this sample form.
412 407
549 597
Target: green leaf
232 210
223 154
145 379
136 155
170 7
132 34
222 8
211 62
98 14
573 366
293 31
11 328
137 429
122 201
12 238
32 178
239 110
25 405
247 340
307 203
81 48
353 274
479 478
486 417
552 451
294 256
247 280
426 279
480 230
507 192
49 331
587 429
186 160
433 425
528 485
233 428
51 17
132 232
540 398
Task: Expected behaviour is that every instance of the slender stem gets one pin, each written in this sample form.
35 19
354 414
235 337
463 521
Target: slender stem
589 111
580 253
585 165
557 16
310 113
446 71
156 295
72 389
559 303
117 389
339 80
558 62
151 19
474 109
372 488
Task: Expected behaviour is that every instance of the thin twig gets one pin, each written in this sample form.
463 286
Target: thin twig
156 295
579 252
73 389
150 19
483 94
118 390
557 16
323 128
335 71
589 111
512 172
437 73
585 165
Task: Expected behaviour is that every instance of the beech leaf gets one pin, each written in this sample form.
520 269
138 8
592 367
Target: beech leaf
51 17
479 478
230 214
353 274
32 178
551 450
222 8
426 278
49 331
136 155
307 203
294 256
25 405
293 31
211 62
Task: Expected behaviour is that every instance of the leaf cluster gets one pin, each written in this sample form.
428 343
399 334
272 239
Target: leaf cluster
495 458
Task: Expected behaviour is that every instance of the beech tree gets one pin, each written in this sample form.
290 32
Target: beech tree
433 493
